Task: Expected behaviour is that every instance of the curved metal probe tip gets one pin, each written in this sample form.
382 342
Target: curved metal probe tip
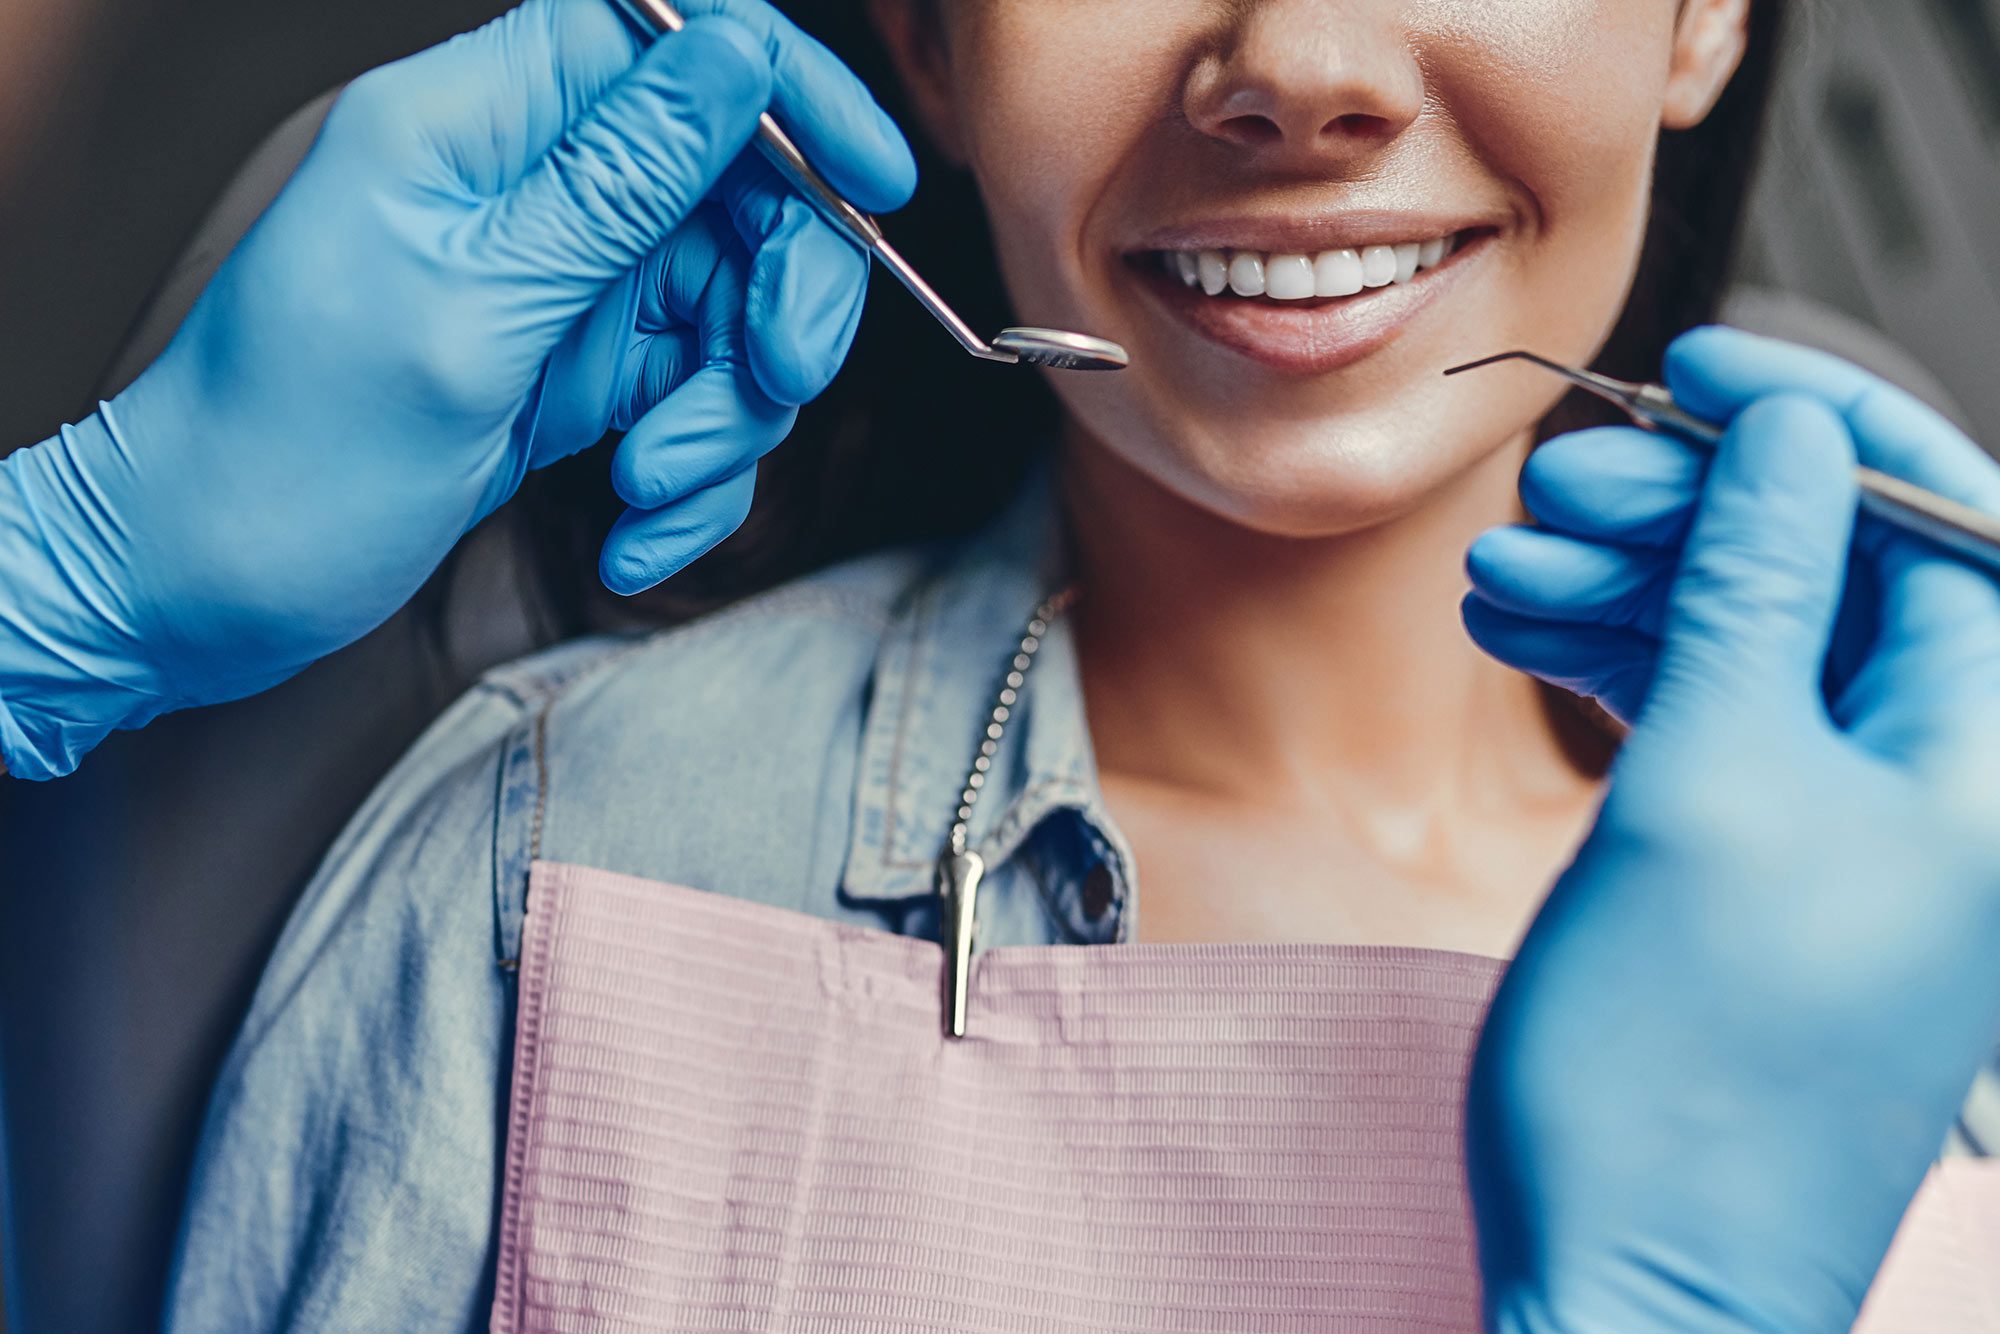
1484 362
1648 404
1567 372
1062 351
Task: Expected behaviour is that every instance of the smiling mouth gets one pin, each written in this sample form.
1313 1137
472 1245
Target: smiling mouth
1306 313
1330 275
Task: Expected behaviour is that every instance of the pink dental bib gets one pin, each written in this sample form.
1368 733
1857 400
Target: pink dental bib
732 1117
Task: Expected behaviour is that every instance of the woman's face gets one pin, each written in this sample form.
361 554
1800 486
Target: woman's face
1137 155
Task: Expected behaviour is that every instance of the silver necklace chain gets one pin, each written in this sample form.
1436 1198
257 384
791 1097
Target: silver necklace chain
1025 652
960 870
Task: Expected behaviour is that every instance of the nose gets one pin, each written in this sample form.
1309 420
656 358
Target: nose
1308 84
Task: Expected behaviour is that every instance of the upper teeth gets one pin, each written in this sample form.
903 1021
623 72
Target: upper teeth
1287 277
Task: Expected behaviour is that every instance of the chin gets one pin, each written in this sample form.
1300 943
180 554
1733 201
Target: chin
1320 479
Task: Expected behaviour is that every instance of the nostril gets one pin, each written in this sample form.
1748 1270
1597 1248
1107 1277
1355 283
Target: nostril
1256 130
1358 126
1250 131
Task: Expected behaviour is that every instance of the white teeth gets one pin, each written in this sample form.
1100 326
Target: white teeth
1378 266
1246 273
1296 277
1288 278
1214 269
1406 261
1337 273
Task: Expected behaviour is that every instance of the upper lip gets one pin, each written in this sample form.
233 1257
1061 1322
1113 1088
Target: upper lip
1308 234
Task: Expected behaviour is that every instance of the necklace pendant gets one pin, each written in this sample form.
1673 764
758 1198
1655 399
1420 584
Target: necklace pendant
958 877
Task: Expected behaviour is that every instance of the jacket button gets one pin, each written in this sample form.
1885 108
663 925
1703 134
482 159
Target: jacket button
1097 892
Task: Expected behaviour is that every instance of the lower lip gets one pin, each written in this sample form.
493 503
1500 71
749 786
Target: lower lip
1309 337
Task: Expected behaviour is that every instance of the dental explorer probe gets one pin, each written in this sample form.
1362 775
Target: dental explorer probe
1053 348
1960 529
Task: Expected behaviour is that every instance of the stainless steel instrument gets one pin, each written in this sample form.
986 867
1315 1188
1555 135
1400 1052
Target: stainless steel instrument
1958 528
1053 348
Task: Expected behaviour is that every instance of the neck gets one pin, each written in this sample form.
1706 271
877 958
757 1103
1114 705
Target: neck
1276 669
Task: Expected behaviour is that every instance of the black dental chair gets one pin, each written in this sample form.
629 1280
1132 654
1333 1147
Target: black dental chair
145 893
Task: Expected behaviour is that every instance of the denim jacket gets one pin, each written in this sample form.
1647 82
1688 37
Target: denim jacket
804 749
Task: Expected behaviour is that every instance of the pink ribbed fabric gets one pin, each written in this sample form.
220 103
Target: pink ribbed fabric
732 1117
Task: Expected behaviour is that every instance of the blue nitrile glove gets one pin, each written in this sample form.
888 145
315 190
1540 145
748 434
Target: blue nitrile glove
1579 600
1736 1036
496 251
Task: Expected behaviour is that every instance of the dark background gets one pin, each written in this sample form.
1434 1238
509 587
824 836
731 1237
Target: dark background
120 123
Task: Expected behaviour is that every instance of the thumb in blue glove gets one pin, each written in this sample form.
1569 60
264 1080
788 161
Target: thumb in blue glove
1739 1030
496 250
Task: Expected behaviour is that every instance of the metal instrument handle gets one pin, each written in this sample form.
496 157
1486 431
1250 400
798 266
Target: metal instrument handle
1653 404
1966 532
1961 529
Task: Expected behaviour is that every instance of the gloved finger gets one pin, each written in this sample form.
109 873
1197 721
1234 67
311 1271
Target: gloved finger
808 283
1553 577
707 429
827 110
1944 612
632 169
715 423
648 546
630 351
656 365
807 290
1616 484
1611 665
581 385
675 277
1715 372
1752 608
488 104
1929 691
499 98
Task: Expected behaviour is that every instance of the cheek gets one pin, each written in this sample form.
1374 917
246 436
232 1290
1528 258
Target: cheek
1040 83
1561 98
1050 124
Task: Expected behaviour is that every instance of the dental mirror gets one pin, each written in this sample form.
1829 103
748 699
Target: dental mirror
1062 351
1054 348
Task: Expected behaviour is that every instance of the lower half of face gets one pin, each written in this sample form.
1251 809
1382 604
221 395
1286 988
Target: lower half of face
1288 339
1315 415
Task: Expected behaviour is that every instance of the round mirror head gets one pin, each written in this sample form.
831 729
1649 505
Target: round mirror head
1063 351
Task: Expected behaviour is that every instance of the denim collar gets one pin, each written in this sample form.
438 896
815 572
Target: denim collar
941 665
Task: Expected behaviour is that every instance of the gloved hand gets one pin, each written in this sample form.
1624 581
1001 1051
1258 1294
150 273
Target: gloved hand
497 250
1738 1032
1580 600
